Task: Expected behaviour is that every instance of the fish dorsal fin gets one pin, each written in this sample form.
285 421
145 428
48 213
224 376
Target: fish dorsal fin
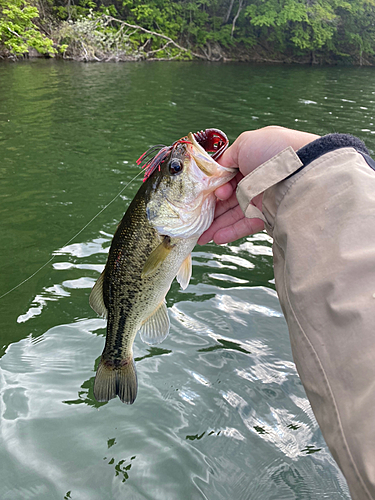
184 273
156 327
96 299
157 257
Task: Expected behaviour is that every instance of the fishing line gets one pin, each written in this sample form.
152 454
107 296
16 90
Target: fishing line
74 237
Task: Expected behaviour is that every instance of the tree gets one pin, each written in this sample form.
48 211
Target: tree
356 29
18 31
307 24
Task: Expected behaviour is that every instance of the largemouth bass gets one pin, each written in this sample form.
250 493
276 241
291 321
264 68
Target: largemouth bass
152 245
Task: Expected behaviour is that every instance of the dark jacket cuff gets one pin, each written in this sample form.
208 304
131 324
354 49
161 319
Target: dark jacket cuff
328 143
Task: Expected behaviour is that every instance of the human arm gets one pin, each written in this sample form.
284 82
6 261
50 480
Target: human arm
322 220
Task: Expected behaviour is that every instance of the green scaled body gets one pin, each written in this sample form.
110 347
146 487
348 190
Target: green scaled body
152 246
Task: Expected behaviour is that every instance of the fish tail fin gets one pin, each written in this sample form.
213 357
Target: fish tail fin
112 381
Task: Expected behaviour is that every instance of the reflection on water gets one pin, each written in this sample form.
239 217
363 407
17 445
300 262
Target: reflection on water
220 398
220 412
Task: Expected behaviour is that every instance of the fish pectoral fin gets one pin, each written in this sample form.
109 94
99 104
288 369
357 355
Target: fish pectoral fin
96 299
157 257
184 273
156 327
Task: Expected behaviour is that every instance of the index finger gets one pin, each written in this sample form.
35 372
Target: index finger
226 191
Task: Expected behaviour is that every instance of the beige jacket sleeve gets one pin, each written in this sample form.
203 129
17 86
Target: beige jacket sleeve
322 220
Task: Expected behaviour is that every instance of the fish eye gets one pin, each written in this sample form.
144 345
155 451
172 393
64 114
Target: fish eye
175 166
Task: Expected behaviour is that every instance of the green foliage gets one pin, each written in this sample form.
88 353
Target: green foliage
356 31
18 31
316 30
315 25
306 24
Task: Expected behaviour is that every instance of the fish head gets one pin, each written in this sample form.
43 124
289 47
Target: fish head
180 200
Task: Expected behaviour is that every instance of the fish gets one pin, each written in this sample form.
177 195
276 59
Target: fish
151 246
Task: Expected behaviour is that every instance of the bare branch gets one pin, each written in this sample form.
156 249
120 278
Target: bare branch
226 19
156 34
158 50
240 4
14 33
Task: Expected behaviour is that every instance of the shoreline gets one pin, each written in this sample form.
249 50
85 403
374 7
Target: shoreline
225 59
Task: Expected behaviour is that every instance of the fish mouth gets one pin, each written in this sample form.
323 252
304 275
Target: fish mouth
205 162
196 144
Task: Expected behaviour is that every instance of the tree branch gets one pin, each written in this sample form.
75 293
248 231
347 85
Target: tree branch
14 33
154 33
226 19
240 4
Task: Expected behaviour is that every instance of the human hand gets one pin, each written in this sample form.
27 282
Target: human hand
249 150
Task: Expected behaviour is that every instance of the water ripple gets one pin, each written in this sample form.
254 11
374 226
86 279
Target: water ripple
220 412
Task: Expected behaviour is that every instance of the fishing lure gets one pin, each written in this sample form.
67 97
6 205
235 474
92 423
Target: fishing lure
211 140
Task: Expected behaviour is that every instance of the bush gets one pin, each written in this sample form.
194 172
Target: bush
18 31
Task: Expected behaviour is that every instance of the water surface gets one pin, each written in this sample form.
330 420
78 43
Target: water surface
220 411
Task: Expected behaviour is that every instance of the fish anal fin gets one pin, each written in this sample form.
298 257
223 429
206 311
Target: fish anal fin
156 327
96 299
112 380
184 273
157 257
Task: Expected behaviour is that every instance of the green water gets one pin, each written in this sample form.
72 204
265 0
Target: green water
220 412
